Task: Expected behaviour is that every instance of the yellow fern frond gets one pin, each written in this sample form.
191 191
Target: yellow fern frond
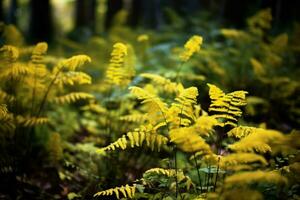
10 53
15 70
235 34
167 172
187 140
72 63
260 22
181 112
259 141
127 192
241 131
255 176
204 125
167 84
138 117
38 52
191 46
116 73
143 135
55 147
155 107
71 78
226 107
242 158
72 97
31 121
3 110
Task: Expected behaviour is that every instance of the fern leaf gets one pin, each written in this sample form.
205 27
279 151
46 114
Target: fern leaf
226 107
188 140
72 97
71 78
138 117
241 131
11 53
260 140
15 70
31 121
154 104
143 135
119 71
72 63
167 84
191 46
127 192
38 52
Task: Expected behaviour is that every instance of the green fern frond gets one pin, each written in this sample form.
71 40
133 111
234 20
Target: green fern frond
226 107
143 135
72 97
127 192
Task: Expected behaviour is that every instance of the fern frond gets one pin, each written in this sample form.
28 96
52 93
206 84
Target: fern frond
15 70
143 135
191 46
138 117
117 72
188 140
4 97
241 131
38 52
72 97
154 104
182 112
226 107
71 78
167 84
204 125
259 141
71 64
127 192
255 176
31 121
242 158
167 172
10 53
3 111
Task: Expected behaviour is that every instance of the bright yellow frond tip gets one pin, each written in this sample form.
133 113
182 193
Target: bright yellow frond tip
126 191
11 53
191 46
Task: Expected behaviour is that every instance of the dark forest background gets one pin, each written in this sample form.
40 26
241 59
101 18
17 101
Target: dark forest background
41 26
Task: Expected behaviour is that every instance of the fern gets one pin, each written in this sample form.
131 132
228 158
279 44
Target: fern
226 107
187 140
260 140
167 84
72 97
119 71
72 78
241 131
138 117
38 52
31 121
71 64
144 135
156 108
127 191
191 46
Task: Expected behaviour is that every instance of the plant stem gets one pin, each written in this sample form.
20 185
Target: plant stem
215 185
198 173
176 179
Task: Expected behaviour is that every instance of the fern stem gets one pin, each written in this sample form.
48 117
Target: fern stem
177 77
198 173
43 102
216 180
176 178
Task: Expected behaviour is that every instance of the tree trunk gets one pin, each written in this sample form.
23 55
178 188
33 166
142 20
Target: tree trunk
41 27
12 14
85 14
113 6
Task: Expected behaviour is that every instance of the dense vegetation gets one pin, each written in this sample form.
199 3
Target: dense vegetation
212 114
